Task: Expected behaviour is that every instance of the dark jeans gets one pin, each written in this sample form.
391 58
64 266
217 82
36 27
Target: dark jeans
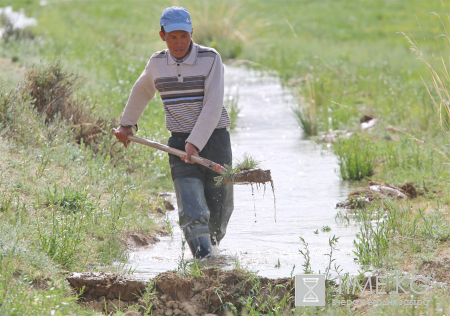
204 209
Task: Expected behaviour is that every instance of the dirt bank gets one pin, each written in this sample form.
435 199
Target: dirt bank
211 291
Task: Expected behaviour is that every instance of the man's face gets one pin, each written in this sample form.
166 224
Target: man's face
177 42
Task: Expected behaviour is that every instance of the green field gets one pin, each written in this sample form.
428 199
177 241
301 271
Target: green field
65 197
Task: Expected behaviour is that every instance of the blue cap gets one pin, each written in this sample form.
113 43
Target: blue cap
176 19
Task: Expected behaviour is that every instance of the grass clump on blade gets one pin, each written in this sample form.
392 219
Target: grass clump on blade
247 162
355 157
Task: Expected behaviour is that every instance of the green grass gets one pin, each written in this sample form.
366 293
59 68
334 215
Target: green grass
359 62
356 157
72 197
65 206
387 226
392 158
24 268
247 162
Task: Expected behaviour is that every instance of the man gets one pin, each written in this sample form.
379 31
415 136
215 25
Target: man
189 79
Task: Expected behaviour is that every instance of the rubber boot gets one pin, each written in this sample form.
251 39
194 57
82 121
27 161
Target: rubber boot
200 246
220 203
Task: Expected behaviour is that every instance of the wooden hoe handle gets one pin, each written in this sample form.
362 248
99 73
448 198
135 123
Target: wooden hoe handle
197 159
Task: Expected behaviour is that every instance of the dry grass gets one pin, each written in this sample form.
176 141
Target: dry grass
52 94
214 21
223 25
51 90
437 64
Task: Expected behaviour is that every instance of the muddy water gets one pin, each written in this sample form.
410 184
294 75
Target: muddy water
306 188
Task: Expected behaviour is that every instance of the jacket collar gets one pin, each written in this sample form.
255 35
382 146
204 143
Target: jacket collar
192 58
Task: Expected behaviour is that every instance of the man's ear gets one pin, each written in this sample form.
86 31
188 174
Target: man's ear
163 37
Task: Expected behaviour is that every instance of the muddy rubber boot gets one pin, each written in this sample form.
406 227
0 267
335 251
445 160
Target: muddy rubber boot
220 203
200 246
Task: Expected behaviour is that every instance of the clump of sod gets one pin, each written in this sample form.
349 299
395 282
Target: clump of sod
247 170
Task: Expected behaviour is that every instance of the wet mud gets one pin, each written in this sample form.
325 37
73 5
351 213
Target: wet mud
137 239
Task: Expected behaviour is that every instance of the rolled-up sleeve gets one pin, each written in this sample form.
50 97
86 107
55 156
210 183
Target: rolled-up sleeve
212 106
141 94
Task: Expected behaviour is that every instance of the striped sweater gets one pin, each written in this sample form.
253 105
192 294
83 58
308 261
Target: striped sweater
192 93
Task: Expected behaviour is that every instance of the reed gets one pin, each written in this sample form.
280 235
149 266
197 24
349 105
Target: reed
306 109
437 63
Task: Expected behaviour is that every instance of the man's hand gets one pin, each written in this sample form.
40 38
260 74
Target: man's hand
190 150
122 133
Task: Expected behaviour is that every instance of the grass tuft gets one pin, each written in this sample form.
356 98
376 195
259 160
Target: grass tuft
356 157
306 109
69 200
247 162
51 89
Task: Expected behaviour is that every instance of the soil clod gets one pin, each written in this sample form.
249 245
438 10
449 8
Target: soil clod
378 191
253 176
